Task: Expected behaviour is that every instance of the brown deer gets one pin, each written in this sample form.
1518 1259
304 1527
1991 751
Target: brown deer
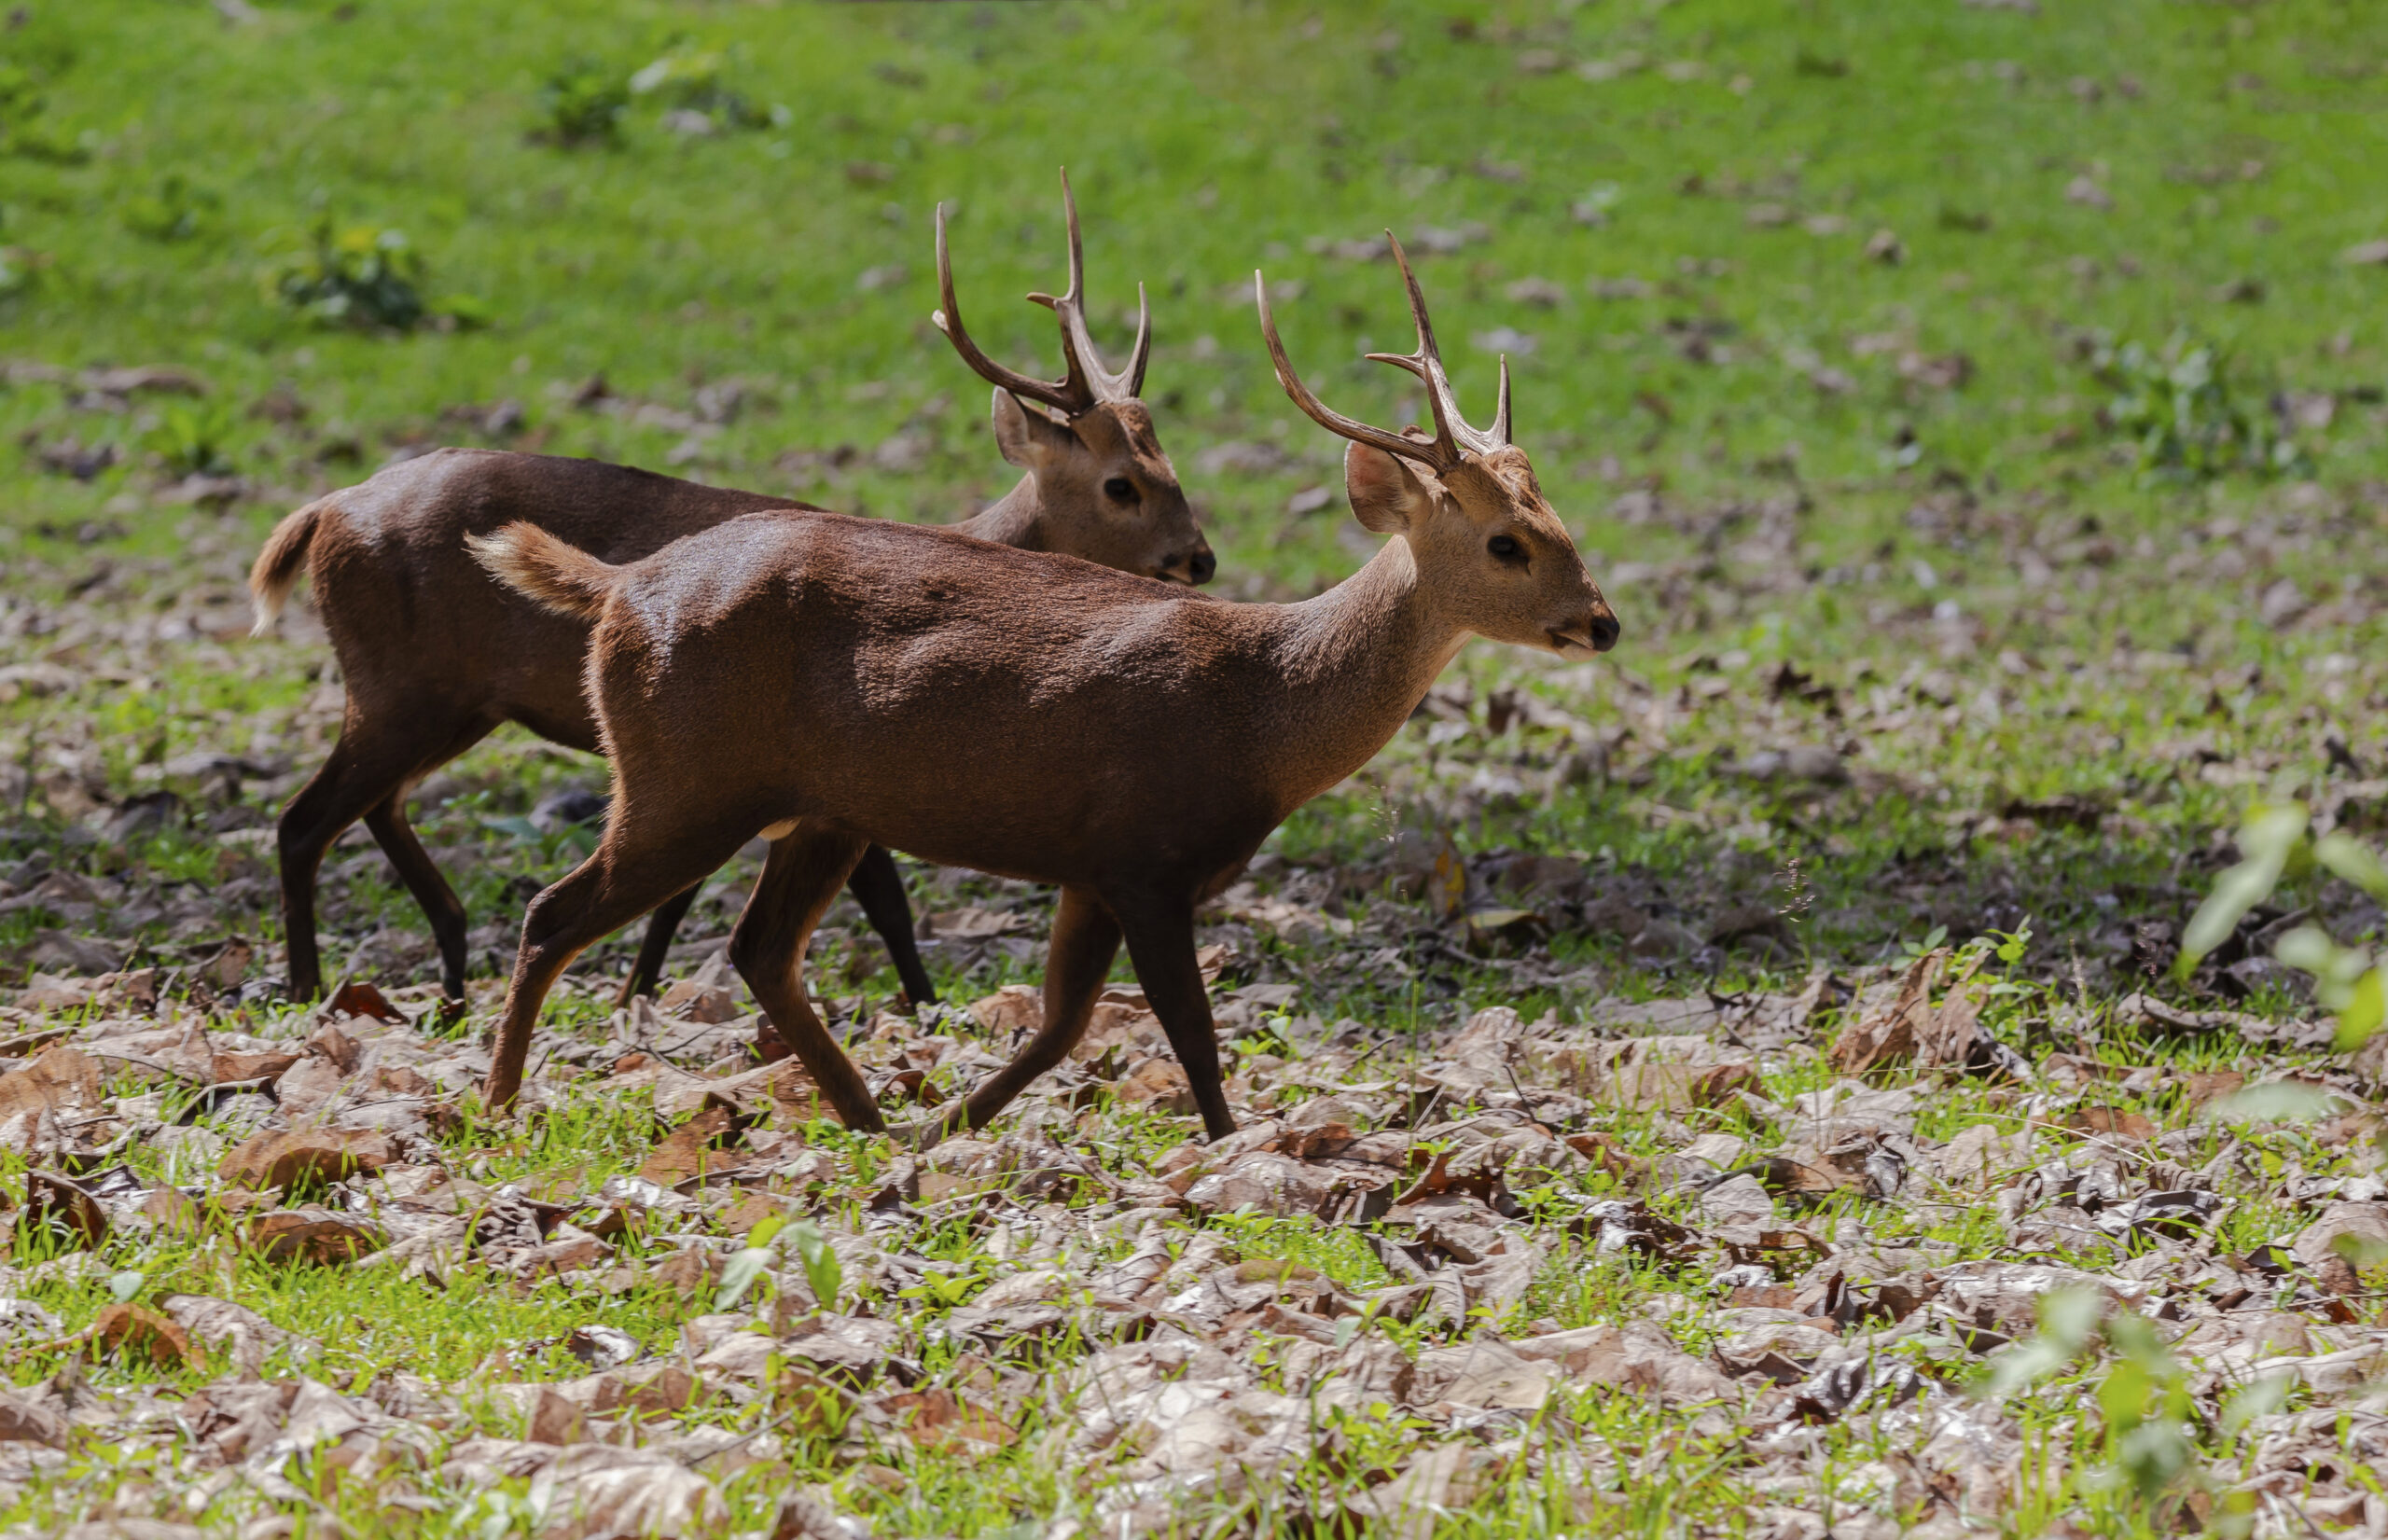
436 656
829 683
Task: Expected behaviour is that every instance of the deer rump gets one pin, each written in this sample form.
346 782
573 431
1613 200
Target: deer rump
1028 714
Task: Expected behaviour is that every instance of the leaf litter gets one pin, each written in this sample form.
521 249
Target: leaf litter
1510 1267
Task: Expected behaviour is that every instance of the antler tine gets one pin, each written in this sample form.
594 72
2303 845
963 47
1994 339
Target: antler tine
1143 353
1437 455
1451 430
1071 394
1086 364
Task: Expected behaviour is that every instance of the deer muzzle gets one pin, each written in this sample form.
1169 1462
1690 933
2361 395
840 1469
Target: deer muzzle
1596 632
1193 569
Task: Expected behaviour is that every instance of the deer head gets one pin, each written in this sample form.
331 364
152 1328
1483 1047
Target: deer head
1492 557
1103 487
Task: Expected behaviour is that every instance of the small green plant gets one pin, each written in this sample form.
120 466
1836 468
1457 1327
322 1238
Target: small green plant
2275 845
192 440
175 210
2185 404
689 81
823 1272
367 278
582 104
357 277
2144 1399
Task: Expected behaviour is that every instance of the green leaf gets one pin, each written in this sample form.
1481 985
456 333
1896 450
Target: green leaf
741 1275
2067 1319
2276 1102
2352 861
2309 949
2365 1011
2266 838
2260 1398
822 1269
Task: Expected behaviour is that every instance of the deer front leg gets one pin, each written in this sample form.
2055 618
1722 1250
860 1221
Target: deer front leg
387 821
1161 944
800 879
1086 938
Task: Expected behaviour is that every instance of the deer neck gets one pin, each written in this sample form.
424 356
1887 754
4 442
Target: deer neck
1355 662
1015 519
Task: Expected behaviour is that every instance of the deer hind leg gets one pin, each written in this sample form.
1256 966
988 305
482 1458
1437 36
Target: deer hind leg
639 864
879 888
648 972
1161 944
366 769
387 819
800 880
1086 938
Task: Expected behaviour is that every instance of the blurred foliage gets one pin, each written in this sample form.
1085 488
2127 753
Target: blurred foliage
2187 407
581 105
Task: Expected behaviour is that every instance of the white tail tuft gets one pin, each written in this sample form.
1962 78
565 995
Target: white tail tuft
276 572
544 569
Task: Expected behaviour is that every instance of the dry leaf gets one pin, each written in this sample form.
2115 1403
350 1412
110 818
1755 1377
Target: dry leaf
306 1159
122 1330
311 1235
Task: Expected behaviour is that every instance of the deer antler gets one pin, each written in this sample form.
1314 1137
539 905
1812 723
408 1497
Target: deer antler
1088 381
1453 439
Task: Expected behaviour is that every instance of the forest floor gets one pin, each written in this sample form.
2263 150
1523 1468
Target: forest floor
1738 1087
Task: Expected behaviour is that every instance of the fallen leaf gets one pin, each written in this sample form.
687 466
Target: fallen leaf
698 1146
311 1235
358 998
122 1330
2115 1123
64 1208
22 1421
302 1160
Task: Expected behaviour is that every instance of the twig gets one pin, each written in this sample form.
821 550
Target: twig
25 1042
749 1437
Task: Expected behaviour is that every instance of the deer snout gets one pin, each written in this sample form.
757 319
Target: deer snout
1194 568
1596 632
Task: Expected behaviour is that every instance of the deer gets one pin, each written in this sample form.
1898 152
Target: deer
830 684
436 656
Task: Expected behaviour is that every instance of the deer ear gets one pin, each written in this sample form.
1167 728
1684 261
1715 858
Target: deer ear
1025 435
1386 496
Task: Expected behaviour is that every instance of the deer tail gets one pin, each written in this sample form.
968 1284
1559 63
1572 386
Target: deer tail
546 569
276 572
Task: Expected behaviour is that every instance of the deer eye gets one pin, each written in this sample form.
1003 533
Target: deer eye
1119 489
1503 548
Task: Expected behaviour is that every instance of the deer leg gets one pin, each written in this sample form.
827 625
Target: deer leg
879 888
799 881
1161 944
1086 938
360 774
647 971
387 819
638 865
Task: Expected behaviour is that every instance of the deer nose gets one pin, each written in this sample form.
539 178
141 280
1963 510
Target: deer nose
1202 565
1604 630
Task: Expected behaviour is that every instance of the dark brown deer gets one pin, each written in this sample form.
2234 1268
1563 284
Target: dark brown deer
436 656
830 683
